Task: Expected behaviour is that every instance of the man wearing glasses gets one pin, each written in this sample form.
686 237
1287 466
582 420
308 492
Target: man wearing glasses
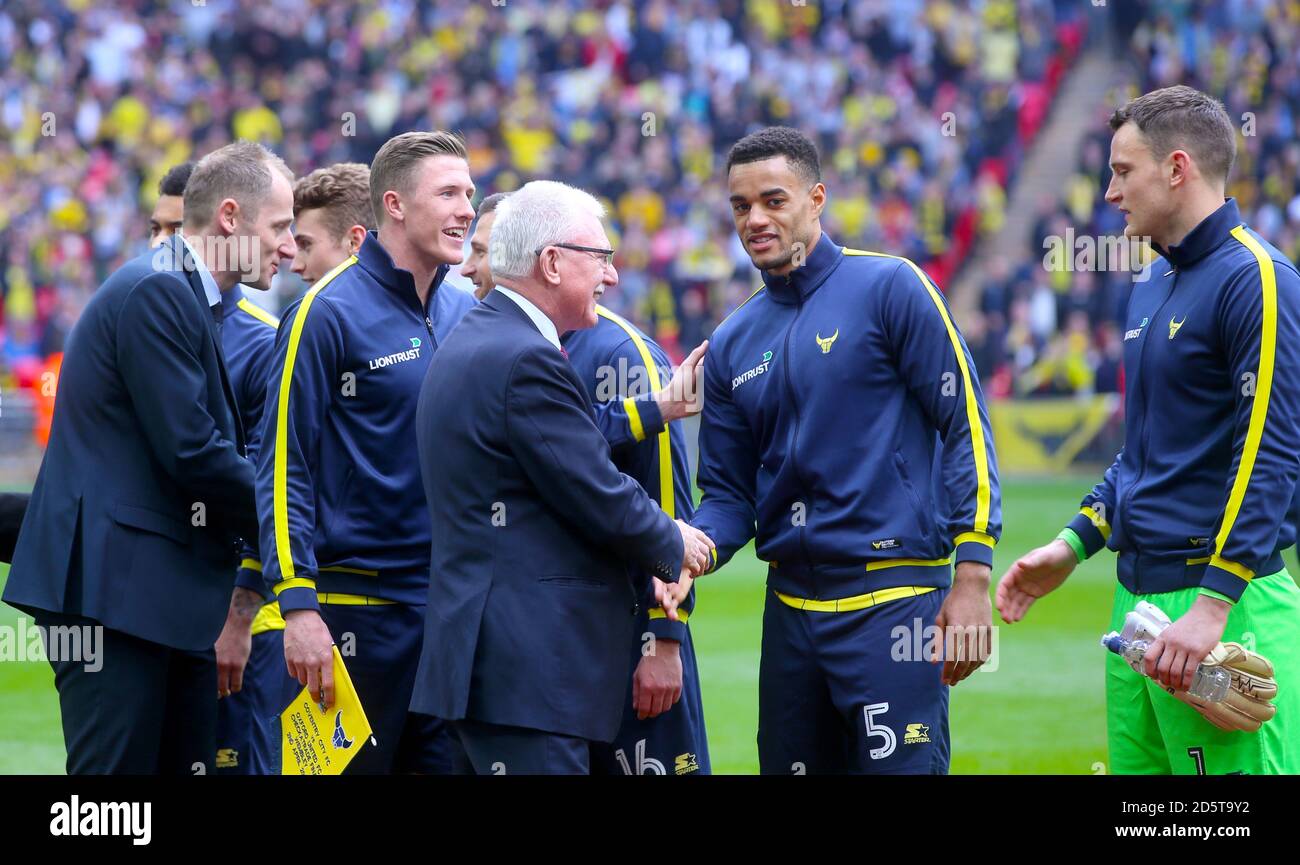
542 549
626 375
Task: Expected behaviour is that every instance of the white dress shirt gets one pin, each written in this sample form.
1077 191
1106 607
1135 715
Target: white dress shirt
544 324
209 281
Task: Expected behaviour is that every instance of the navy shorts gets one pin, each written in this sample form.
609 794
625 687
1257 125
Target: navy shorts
846 693
248 722
380 645
381 648
673 743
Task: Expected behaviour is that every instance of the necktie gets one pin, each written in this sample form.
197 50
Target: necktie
218 315
563 352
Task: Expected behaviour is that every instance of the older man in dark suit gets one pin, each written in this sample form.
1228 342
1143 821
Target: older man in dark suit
134 523
541 547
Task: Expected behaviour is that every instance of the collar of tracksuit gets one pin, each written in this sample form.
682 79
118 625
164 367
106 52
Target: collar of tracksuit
802 281
230 300
1212 232
379 264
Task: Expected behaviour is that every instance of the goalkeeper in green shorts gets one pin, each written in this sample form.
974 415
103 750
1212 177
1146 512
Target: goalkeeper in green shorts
1201 501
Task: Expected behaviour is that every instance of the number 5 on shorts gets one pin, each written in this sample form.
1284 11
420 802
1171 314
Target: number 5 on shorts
874 729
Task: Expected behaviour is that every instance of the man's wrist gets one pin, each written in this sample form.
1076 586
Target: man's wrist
1211 593
1217 607
1075 543
244 604
299 614
666 646
974 574
669 408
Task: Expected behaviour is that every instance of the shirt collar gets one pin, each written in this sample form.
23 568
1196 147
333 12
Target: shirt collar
209 282
806 278
544 324
1206 237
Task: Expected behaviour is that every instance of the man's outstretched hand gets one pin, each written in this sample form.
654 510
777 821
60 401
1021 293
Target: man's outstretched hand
681 396
1033 575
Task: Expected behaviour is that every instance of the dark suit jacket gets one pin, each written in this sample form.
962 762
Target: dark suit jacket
12 508
143 491
538 540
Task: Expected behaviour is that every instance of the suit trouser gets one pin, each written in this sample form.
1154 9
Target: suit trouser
495 749
140 708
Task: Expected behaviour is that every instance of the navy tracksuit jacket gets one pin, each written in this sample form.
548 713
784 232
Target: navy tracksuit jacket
843 422
1203 492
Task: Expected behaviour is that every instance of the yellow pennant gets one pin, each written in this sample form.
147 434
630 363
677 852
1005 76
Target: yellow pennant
318 741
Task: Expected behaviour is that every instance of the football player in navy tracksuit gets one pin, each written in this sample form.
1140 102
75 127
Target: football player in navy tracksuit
625 374
661 734
345 534
248 340
332 213
843 416
1200 503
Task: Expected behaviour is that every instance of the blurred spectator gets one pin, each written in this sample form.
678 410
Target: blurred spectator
922 111
1244 52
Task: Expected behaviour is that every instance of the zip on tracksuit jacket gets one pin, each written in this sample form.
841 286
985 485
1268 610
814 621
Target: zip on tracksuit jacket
1202 493
248 343
843 415
340 500
622 368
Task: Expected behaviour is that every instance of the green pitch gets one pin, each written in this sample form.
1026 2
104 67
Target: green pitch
1041 711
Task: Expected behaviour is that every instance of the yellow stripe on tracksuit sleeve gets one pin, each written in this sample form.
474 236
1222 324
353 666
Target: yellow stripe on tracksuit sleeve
1259 409
982 493
280 486
666 491
634 419
258 313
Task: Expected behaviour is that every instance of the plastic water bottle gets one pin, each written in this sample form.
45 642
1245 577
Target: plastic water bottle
1210 684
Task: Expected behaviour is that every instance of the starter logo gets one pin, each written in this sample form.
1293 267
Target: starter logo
917 734
753 373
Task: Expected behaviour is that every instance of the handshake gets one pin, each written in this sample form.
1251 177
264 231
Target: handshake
696 558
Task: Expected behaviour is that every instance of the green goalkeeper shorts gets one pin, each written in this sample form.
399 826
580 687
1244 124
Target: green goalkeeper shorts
1151 733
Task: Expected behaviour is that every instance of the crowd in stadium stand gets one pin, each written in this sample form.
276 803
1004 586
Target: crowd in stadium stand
1060 333
636 101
